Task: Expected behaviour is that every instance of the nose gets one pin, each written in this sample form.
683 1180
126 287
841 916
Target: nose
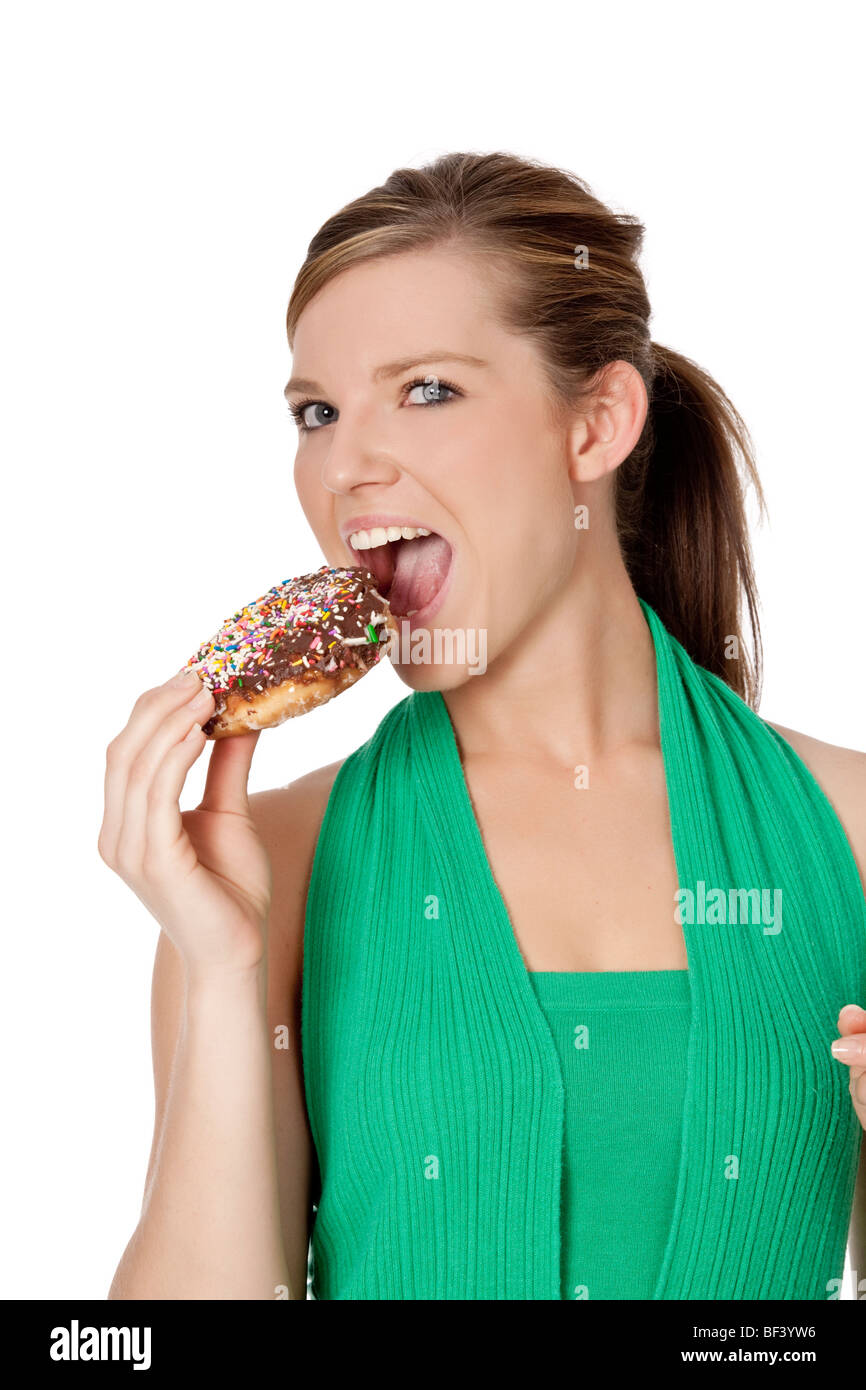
358 455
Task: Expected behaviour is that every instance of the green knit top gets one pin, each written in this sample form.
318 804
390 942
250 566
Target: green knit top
434 1087
622 1038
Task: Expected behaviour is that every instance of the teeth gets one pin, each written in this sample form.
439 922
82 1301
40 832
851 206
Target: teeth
381 535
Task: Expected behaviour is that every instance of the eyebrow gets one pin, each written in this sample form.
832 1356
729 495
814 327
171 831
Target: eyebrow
390 369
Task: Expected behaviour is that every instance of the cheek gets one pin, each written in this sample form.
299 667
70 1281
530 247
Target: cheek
526 496
299 477
488 477
308 487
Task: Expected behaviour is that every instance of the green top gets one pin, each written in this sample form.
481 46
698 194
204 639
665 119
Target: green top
434 1087
622 1038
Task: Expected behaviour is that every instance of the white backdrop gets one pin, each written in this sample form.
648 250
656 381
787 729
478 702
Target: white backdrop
164 167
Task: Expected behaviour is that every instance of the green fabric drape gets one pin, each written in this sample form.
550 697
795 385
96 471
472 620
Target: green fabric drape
433 1085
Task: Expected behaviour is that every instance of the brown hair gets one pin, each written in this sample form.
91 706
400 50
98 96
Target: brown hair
679 496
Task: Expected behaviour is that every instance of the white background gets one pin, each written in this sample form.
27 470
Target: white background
163 169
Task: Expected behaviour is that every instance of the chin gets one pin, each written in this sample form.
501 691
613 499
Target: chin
438 656
428 676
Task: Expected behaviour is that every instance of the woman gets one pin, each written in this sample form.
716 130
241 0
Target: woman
572 938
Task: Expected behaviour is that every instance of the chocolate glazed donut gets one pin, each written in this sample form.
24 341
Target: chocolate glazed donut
295 647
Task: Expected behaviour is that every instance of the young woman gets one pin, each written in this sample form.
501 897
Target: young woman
574 929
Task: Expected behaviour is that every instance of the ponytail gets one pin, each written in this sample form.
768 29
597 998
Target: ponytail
683 531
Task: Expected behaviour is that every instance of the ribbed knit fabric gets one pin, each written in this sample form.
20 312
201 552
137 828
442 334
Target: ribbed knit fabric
434 1087
622 1038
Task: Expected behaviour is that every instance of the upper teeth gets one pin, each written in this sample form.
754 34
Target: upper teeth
381 535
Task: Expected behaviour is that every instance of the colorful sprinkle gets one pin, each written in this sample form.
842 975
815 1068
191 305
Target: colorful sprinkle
321 603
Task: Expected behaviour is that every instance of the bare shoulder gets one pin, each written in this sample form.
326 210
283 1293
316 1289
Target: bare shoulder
301 802
841 775
288 820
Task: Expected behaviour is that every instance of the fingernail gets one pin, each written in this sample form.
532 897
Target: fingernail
847 1047
184 677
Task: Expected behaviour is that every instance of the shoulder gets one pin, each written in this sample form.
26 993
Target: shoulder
841 775
289 817
288 820
297 804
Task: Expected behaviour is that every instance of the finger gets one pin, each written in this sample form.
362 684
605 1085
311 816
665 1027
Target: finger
151 708
148 712
132 840
852 1019
226 783
164 826
851 1049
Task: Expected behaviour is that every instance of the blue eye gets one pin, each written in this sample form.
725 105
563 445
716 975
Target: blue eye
312 415
434 391
307 414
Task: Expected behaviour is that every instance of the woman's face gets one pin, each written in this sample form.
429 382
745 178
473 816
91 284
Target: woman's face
423 411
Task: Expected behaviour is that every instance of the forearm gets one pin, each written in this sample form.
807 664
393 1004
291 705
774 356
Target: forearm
210 1222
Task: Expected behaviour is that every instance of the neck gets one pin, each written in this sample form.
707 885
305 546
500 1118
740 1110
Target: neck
599 695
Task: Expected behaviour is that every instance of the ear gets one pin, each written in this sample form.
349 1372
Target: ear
609 427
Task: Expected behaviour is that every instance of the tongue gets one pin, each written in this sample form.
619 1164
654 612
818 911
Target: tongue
420 572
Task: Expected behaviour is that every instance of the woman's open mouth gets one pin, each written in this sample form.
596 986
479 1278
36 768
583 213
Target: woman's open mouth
411 565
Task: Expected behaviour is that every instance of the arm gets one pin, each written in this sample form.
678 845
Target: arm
209 1226
225 1198
289 819
226 1209
841 774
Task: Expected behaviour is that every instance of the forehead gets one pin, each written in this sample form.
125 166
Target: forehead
394 305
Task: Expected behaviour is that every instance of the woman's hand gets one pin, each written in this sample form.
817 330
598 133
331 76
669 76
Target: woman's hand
203 874
851 1049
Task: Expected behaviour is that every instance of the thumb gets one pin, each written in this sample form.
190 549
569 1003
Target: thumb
852 1020
225 787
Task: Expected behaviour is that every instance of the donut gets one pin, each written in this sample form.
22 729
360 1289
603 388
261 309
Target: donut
295 647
